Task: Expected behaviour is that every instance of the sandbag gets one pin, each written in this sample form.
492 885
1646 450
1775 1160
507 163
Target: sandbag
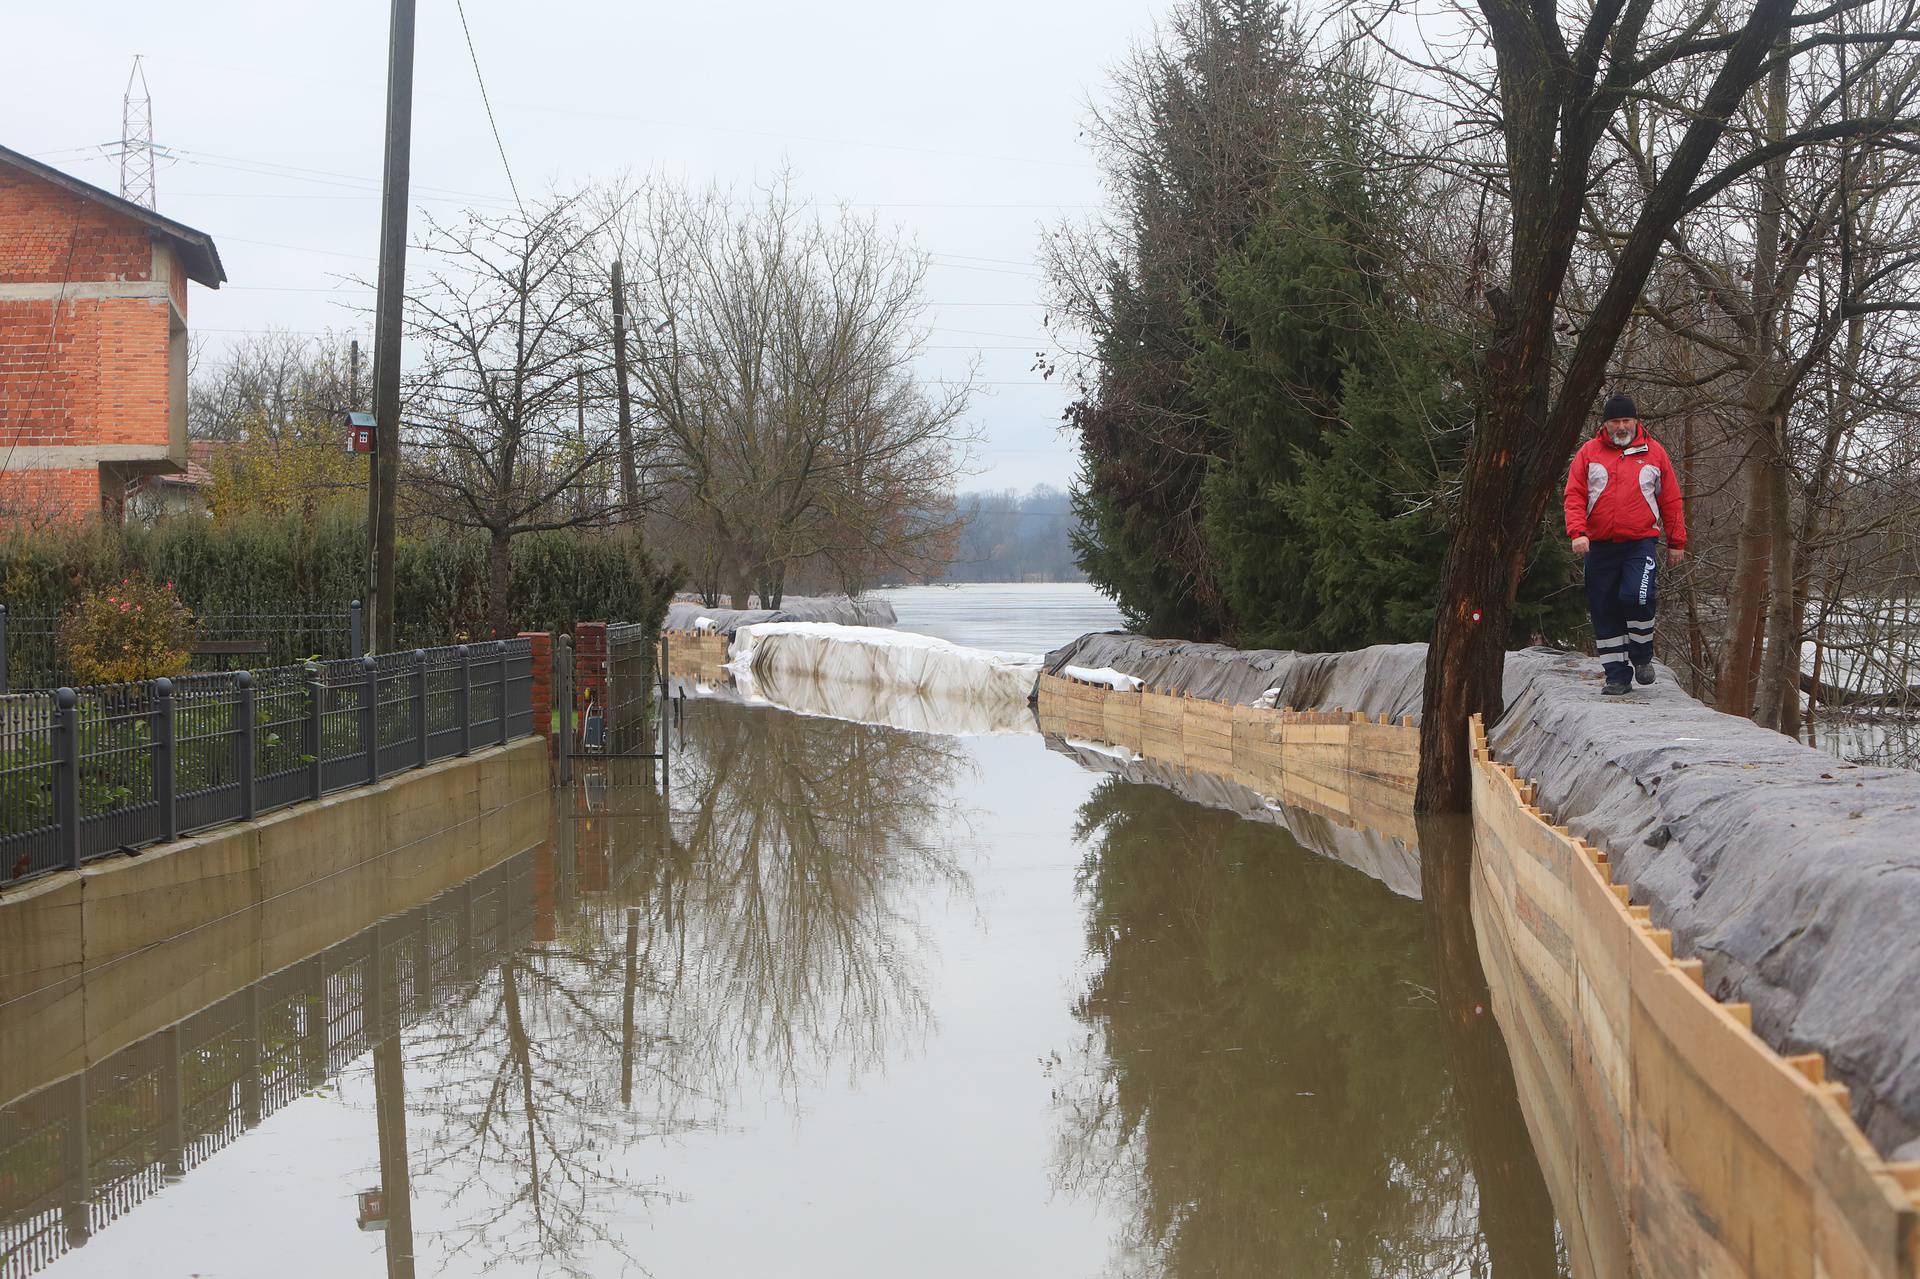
885 676
1793 877
682 615
1383 680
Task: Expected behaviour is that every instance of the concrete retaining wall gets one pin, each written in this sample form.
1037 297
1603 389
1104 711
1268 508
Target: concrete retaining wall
146 940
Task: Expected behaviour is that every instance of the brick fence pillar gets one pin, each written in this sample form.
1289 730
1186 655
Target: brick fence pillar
590 662
542 646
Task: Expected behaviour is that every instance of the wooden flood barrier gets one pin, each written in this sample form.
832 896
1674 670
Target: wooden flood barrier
1354 770
1684 1144
695 654
1675 1141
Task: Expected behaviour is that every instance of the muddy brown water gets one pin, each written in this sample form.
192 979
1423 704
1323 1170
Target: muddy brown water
844 1000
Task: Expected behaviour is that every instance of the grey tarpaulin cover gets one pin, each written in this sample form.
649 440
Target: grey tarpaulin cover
1795 878
1382 680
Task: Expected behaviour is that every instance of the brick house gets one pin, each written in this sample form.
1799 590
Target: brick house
93 342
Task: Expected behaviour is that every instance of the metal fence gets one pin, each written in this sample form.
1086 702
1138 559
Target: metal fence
30 655
91 771
630 688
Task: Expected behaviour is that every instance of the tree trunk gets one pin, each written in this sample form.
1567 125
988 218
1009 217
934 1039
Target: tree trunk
1760 532
499 578
1466 659
1734 684
1780 669
629 473
1791 719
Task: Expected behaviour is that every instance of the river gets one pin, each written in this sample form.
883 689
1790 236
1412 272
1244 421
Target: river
850 1000
1019 617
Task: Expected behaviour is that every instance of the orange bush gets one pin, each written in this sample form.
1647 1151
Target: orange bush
134 631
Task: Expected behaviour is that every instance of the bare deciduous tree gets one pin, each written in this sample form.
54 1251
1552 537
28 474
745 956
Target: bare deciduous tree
1563 83
503 432
773 356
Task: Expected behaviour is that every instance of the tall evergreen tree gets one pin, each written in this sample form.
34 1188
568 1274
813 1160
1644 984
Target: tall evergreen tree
1345 416
1273 427
1194 135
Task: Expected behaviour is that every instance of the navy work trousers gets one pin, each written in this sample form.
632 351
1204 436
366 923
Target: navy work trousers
1623 583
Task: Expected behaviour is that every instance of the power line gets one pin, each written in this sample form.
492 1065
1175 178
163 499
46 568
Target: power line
487 102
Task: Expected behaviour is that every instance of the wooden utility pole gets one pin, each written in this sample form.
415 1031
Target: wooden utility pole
584 482
389 306
629 474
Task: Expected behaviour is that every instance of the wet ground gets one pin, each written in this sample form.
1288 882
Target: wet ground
899 1004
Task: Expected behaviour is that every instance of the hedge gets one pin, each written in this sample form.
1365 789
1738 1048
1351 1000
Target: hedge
278 567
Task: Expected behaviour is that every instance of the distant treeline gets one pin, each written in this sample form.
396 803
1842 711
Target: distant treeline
1013 537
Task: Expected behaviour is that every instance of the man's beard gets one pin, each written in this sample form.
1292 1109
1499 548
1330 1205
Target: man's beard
1622 438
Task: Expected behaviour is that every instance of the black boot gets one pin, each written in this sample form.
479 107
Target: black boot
1644 673
1616 690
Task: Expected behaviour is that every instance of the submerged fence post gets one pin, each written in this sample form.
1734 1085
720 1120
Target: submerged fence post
370 716
243 707
161 726
316 732
66 776
463 704
419 708
563 702
500 648
357 629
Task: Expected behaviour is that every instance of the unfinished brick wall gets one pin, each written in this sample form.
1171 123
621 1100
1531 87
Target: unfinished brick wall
88 371
84 354
41 496
48 234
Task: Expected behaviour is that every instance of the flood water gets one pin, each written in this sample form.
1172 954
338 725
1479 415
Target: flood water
844 1000
1019 617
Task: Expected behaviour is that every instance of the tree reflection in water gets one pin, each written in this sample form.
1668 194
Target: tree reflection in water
1264 1079
777 944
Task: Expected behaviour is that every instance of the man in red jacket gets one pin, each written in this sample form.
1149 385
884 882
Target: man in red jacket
1622 494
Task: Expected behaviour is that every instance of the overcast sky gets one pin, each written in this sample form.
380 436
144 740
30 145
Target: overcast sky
960 123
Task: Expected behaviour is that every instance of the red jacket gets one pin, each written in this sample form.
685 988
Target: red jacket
1623 495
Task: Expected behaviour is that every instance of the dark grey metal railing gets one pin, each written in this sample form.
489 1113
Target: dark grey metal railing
90 771
30 656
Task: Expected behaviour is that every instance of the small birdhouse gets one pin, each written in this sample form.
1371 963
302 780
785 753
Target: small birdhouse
373 1209
360 433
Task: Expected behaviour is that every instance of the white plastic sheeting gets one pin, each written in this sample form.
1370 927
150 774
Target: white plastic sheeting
1104 675
684 615
889 677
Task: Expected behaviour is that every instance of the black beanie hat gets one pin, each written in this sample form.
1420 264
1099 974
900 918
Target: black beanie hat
1618 405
